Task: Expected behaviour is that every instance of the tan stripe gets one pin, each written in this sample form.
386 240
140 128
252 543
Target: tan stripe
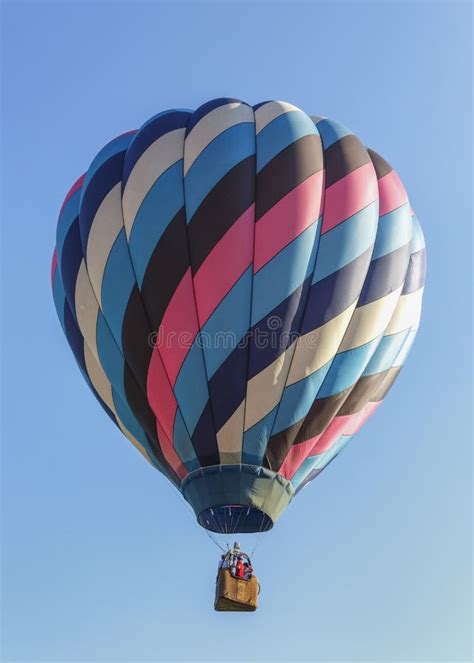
317 347
407 313
103 387
87 308
265 389
369 321
406 347
98 378
210 126
269 112
229 438
160 156
107 224
134 441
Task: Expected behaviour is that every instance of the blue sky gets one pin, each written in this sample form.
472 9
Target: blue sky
101 558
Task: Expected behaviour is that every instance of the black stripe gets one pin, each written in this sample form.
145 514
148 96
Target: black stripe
222 206
416 272
138 403
268 343
228 385
165 270
204 440
361 393
386 385
342 157
320 415
381 166
332 295
102 182
286 170
136 338
69 262
386 274
148 134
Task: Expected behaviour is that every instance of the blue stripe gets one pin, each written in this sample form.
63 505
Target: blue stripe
117 285
149 133
191 387
69 264
403 354
284 273
418 239
298 398
281 132
93 195
316 464
110 358
59 296
228 324
346 241
386 353
183 445
159 207
305 468
256 440
209 106
331 132
394 230
219 157
416 272
66 219
128 419
347 368
113 148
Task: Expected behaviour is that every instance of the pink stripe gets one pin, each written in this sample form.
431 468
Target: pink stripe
160 395
75 187
347 424
297 455
349 195
288 218
224 265
178 327
332 433
367 412
54 264
343 425
392 193
169 453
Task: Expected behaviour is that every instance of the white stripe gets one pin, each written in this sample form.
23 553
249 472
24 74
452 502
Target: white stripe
106 226
264 390
210 126
318 346
156 159
87 309
269 112
407 313
370 321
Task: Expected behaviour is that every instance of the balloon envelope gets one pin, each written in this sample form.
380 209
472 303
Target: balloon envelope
240 287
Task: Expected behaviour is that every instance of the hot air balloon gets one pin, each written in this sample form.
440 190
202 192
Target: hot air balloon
240 287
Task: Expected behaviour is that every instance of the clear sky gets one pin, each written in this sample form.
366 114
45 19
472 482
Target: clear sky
101 558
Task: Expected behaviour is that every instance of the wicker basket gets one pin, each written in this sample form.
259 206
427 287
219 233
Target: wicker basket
235 594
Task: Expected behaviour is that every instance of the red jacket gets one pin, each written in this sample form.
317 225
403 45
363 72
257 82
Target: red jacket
240 569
